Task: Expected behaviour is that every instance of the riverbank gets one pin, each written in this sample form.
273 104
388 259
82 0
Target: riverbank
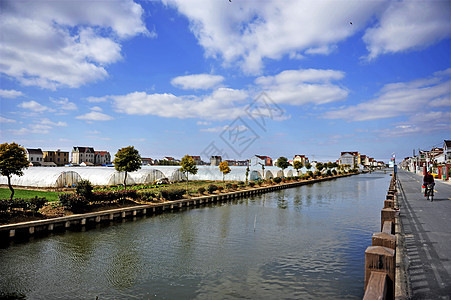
65 222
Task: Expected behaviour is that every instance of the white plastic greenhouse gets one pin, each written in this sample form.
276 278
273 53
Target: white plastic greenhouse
68 176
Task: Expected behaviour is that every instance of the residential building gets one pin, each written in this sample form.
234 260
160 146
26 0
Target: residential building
302 158
60 158
146 161
447 150
348 158
197 160
215 160
364 160
102 158
83 154
258 160
35 156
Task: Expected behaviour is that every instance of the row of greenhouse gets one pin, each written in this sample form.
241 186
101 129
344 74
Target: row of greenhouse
103 176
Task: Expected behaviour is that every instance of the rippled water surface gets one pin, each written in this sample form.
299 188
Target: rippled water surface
308 243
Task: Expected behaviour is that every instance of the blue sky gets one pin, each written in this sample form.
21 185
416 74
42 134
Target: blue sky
238 78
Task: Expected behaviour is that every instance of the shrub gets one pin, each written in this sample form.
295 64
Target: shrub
329 172
241 183
33 204
36 203
220 188
84 188
147 196
277 180
234 186
211 188
260 182
317 174
201 190
228 185
74 203
334 172
172 195
251 184
310 174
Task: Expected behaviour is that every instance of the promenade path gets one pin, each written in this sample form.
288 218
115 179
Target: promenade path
427 237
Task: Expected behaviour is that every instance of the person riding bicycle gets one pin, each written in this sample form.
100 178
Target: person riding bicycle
428 179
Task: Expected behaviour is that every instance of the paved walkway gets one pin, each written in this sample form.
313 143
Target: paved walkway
427 236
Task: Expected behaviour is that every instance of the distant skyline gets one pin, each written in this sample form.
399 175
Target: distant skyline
239 78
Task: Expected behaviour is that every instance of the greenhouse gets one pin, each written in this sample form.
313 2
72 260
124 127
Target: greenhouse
69 176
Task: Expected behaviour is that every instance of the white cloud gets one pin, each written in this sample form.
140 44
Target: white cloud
226 127
247 32
197 81
221 104
407 25
34 106
97 99
95 116
298 87
399 99
5 120
64 104
47 122
204 123
65 43
10 93
96 108
42 126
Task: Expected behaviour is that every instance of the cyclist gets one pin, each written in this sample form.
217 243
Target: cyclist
428 179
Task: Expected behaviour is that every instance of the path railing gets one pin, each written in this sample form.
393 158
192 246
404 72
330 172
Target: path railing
380 258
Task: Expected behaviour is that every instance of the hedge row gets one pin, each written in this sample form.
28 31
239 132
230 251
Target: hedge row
33 204
79 203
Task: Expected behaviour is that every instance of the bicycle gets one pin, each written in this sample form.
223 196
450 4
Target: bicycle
429 191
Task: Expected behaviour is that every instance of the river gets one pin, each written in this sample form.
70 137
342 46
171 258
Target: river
300 243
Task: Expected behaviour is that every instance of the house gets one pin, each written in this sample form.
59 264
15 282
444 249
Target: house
146 161
58 157
348 158
168 158
102 158
302 158
83 154
197 160
364 160
258 160
215 160
35 156
447 150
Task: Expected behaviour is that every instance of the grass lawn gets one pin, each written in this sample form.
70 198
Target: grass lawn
5 193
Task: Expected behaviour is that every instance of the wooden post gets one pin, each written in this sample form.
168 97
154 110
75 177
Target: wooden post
31 230
98 219
123 214
111 217
67 224
387 214
83 221
50 227
389 203
384 239
377 286
380 259
12 233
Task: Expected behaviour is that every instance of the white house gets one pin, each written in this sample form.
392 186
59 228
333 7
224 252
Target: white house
35 156
83 154
447 150
102 158
348 158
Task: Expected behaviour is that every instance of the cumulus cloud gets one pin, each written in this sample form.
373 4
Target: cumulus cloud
65 43
244 32
5 120
401 99
64 104
197 81
10 93
95 116
407 25
221 104
298 87
34 106
42 126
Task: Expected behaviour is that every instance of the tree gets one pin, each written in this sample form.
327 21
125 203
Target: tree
297 165
188 167
319 166
247 172
127 160
282 162
13 159
308 166
225 169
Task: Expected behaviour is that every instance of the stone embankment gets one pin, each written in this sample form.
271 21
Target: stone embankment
32 228
382 259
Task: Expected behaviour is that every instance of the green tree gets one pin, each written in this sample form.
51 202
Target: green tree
297 165
308 166
13 160
282 162
247 172
127 160
188 167
225 169
319 166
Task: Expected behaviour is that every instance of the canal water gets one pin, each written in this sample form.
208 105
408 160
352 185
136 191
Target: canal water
300 243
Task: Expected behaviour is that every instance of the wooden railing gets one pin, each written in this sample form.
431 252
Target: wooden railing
380 257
